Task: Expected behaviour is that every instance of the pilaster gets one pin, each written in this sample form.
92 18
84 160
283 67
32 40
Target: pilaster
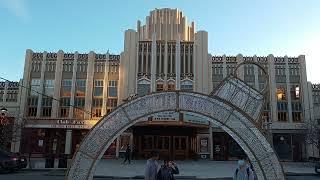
153 62
177 63
89 84
42 83
224 66
73 86
303 88
57 84
256 73
165 65
241 68
288 89
105 86
272 88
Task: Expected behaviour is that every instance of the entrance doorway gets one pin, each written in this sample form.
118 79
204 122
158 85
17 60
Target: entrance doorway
169 141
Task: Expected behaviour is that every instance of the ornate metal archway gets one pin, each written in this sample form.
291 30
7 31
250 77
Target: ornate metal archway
234 106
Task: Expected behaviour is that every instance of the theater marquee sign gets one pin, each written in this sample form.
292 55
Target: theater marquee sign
61 123
234 107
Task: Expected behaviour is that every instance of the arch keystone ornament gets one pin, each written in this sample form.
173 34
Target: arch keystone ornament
233 106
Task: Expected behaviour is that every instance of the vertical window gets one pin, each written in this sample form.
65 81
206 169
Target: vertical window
35 87
98 88
12 96
112 89
96 107
111 103
160 87
81 87
46 107
281 93
64 107
282 116
1 95
171 86
79 112
187 86
48 87
66 85
32 106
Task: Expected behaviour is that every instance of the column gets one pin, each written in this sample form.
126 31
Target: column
165 66
272 88
131 141
177 63
288 89
89 84
153 62
15 146
73 87
57 84
105 86
210 141
240 72
210 81
303 89
43 69
68 145
117 147
224 66
4 98
256 74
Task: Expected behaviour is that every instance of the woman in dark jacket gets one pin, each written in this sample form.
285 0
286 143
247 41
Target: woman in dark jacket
167 170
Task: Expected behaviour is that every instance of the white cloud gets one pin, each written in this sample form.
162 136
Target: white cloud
18 8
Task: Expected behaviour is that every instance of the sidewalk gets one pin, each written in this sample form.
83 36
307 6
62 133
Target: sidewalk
199 169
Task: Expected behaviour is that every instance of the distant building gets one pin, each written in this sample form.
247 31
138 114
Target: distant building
9 100
166 53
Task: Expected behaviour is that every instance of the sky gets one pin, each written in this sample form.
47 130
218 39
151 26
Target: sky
249 27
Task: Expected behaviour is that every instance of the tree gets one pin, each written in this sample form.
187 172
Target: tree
9 128
313 133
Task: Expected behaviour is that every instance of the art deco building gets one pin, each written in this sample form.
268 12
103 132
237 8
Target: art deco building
165 53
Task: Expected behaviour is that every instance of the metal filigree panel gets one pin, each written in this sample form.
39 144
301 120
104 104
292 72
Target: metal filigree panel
234 107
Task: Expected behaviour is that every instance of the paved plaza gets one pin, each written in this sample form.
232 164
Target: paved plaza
192 169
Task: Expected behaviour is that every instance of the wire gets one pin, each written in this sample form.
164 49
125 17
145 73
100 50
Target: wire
29 88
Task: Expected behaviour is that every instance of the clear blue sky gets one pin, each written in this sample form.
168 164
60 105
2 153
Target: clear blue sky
279 27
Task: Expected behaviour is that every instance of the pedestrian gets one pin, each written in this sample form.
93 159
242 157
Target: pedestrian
243 172
249 165
127 155
167 170
151 168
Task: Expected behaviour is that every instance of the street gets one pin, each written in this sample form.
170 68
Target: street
36 175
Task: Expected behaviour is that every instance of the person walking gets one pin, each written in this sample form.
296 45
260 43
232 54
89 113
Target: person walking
167 170
127 155
151 168
243 172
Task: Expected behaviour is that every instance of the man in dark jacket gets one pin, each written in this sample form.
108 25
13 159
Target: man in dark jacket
167 170
127 155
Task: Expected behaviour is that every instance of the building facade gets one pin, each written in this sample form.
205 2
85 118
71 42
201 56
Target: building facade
10 108
166 53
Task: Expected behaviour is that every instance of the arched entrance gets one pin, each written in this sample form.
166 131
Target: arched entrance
234 106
